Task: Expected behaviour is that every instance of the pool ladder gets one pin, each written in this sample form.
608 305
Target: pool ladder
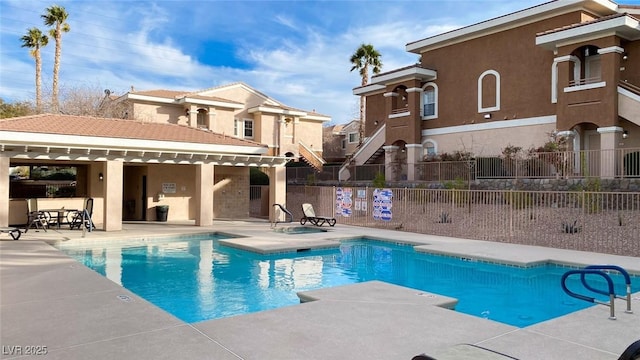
600 270
284 210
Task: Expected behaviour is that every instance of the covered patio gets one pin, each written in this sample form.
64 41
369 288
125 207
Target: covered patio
129 167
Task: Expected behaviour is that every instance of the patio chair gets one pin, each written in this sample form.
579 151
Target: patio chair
310 215
82 217
632 352
35 218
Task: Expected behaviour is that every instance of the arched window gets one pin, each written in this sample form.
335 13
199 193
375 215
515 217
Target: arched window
429 149
429 101
202 119
489 91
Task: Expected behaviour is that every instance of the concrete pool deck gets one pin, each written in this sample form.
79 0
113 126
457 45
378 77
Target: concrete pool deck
48 299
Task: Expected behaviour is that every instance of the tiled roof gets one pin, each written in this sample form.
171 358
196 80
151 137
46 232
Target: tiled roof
117 128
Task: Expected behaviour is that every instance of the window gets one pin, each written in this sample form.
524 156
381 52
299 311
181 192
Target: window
489 91
353 137
430 101
343 144
236 127
248 129
429 149
202 119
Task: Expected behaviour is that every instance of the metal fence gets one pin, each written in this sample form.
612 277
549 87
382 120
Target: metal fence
588 221
618 163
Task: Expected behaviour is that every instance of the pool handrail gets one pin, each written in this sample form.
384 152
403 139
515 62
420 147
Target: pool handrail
627 280
611 293
286 211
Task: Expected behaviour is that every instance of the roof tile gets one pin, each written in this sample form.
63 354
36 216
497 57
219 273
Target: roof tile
118 128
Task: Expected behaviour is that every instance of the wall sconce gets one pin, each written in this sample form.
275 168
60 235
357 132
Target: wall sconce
625 134
100 177
487 116
375 123
625 56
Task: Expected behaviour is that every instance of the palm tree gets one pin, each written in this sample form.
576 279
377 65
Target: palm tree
35 40
364 57
56 16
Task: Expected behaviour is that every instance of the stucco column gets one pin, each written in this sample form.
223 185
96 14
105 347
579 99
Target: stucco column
414 152
204 194
112 190
608 141
192 116
277 189
390 154
4 191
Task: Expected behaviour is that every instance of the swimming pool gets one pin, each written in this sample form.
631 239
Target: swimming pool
196 279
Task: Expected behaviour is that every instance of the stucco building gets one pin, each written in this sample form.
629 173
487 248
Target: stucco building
570 68
189 150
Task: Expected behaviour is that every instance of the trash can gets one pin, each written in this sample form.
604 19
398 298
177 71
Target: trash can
162 211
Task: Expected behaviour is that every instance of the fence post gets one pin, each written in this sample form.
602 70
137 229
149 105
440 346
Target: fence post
511 213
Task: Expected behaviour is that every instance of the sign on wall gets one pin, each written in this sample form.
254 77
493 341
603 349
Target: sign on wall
344 201
382 203
169 188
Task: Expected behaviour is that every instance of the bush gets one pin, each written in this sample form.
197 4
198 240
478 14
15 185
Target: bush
379 181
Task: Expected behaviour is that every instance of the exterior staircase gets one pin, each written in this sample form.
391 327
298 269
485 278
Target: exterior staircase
370 150
310 157
629 102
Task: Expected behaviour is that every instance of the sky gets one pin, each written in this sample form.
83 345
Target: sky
296 52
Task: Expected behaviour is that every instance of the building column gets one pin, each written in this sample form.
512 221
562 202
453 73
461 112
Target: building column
390 161
112 190
4 191
414 156
609 137
277 189
204 194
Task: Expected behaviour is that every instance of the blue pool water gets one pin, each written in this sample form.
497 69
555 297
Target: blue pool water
196 279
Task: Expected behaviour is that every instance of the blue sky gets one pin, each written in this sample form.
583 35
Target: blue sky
294 51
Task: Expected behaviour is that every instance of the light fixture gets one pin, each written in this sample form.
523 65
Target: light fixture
487 116
625 134
625 56
375 123
100 177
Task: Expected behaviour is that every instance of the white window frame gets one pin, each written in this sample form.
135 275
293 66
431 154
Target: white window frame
425 147
244 129
480 97
356 137
434 86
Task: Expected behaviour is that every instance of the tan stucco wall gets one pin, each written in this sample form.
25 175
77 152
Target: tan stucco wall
231 192
181 204
160 113
492 142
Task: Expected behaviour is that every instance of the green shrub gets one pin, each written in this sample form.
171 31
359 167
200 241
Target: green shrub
379 181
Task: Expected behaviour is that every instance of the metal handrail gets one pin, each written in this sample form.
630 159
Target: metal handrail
623 272
582 272
286 211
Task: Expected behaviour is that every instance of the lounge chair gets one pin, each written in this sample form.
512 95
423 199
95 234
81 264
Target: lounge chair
632 352
83 217
310 215
13 231
469 351
35 217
